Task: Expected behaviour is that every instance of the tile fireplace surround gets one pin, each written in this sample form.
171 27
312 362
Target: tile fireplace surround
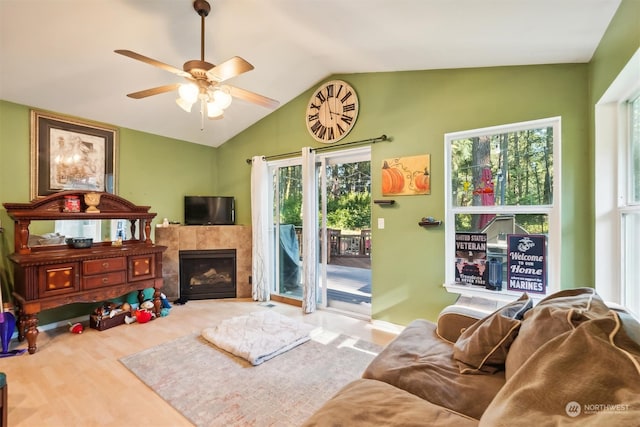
195 237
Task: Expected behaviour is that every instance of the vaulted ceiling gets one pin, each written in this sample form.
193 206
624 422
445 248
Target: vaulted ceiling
58 54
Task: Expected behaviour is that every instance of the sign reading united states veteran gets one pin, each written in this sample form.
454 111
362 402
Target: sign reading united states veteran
527 263
471 258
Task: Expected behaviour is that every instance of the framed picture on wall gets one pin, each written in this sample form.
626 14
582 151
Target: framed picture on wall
406 176
71 154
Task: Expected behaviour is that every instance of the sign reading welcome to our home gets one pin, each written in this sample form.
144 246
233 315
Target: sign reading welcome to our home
526 263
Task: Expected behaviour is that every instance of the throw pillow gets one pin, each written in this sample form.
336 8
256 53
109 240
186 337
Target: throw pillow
589 376
554 315
483 347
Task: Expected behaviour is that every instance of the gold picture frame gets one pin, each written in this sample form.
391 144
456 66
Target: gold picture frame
68 153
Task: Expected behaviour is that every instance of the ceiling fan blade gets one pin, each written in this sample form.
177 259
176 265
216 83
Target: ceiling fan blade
166 67
253 97
228 69
153 91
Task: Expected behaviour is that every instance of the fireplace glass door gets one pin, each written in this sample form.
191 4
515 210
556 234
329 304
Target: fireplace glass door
207 274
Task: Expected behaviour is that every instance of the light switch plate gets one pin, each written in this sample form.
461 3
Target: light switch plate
380 223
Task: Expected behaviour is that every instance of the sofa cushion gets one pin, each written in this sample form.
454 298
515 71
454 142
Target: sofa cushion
554 315
374 403
589 376
482 347
421 363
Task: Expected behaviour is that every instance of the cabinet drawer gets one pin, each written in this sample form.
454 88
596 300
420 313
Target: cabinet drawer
141 267
98 266
58 279
102 280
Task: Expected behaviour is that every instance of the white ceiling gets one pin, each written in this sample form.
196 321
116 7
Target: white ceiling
58 54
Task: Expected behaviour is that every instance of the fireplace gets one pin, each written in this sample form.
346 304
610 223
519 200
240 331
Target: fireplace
207 274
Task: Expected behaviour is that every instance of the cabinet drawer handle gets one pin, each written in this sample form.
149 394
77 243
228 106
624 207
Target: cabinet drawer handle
105 265
105 280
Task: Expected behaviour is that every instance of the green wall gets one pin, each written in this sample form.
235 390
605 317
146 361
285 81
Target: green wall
620 42
416 109
153 171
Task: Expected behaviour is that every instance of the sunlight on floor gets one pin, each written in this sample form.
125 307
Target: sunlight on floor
323 336
351 343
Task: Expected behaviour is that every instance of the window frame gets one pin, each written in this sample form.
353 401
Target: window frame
553 210
631 208
613 182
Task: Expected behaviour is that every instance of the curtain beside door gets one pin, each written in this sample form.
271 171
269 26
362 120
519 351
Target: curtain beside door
309 231
262 265
260 229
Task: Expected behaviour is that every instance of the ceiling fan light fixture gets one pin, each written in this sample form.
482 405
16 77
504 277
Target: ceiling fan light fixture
186 106
221 97
204 78
188 92
213 110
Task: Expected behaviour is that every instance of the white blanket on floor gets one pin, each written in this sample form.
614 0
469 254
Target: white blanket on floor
259 336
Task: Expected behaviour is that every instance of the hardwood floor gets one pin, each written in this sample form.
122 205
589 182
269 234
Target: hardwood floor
77 380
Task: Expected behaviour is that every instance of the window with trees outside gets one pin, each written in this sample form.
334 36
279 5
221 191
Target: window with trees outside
630 213
617 189
500 185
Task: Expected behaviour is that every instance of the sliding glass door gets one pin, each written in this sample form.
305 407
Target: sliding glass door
287 227
343 229
345 213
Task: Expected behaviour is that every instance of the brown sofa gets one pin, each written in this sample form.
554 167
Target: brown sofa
568 360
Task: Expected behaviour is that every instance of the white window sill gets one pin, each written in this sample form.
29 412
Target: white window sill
503 296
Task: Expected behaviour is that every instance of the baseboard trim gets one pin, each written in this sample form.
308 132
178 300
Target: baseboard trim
286 300
387 326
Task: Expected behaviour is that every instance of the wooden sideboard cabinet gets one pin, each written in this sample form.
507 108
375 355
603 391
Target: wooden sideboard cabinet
49 276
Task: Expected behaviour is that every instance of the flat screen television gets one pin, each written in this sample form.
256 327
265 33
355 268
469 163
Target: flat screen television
209 210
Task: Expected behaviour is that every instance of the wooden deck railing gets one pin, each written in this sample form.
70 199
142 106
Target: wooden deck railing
345 245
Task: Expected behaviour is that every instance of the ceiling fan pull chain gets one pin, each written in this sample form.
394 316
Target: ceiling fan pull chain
202 114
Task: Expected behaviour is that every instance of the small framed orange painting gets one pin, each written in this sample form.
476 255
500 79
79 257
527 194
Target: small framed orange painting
406 176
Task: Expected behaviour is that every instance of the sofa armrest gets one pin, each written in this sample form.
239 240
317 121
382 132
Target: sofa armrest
366 402
454 319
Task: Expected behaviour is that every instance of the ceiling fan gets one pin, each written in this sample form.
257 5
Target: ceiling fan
204 79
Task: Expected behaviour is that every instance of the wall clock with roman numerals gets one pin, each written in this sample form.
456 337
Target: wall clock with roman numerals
332 111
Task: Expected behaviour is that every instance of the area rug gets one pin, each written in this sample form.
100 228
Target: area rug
211 387
258 336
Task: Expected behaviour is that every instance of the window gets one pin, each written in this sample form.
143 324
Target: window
634 139
500 183
617 185
630 212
